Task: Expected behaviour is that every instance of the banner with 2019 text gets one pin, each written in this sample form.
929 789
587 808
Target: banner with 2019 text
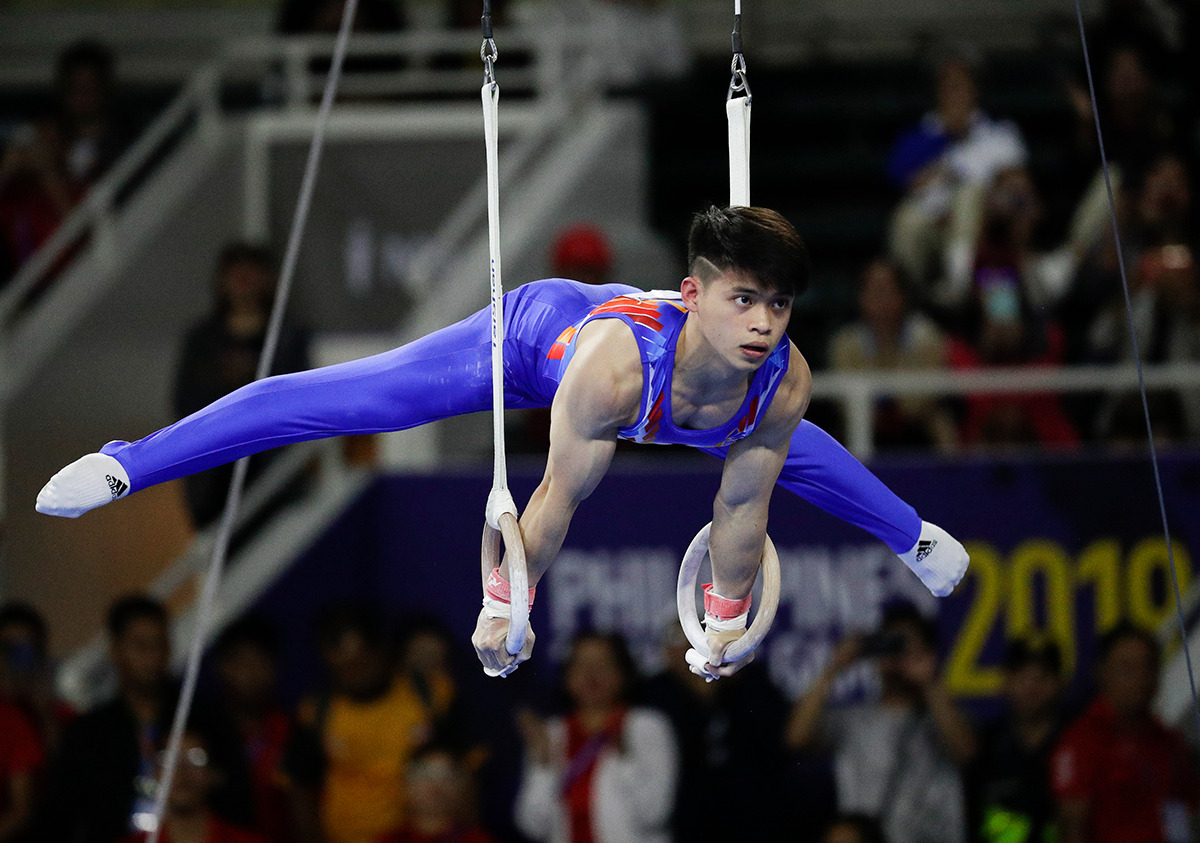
1060 547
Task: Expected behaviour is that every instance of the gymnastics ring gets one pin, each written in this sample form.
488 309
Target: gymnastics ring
518 575
685 595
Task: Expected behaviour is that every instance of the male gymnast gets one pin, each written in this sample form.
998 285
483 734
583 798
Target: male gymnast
709 366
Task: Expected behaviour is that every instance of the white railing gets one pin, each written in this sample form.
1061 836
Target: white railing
96 214
82 259
291 62
857 392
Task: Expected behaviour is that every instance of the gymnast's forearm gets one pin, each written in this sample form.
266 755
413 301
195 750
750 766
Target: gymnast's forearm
578 460
544 526
736 546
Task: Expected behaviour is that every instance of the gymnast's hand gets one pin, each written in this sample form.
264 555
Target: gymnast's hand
714 667
489 642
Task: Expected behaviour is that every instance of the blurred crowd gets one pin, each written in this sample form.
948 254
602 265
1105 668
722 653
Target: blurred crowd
401 739
989 260
986 265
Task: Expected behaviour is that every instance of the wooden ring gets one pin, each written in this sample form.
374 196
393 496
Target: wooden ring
518 575
685 600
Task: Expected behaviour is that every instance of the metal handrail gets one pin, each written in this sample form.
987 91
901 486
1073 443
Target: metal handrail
858 391
98 206
200 98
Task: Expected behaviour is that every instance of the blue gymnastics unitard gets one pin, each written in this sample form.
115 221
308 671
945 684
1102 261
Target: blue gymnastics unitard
448 373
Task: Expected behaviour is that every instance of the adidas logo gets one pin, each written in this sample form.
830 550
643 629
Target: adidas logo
925 548
116 485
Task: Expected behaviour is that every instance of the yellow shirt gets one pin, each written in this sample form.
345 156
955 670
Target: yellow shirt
366 746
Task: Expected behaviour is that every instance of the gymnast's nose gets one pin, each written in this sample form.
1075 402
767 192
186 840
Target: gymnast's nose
760 319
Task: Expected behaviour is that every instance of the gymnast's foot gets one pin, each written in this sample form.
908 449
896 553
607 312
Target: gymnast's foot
85 484
937 558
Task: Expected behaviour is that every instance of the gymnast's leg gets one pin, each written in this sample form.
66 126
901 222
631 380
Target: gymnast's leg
444 374
822 472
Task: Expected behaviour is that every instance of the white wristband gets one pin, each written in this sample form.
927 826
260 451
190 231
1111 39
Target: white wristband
712 624
493 608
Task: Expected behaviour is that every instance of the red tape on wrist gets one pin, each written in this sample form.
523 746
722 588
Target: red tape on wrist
722 608
498 588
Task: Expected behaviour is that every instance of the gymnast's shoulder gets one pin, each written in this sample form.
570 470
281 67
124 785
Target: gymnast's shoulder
606 370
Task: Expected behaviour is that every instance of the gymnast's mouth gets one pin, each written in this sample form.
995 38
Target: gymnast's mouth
754 349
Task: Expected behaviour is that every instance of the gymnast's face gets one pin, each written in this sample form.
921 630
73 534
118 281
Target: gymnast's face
741 319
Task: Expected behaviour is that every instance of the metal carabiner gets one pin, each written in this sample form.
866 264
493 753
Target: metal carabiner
738 81
489 54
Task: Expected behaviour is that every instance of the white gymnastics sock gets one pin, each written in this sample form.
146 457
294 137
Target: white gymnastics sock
85 484
938 559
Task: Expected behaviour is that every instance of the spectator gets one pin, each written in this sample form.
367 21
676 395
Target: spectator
608 770
888 337
1002 327
101 783
944 165
21 760
220 354
853 828
50 164
1136 128
895 759
1158 234
1120 774
1136 125
348 756
247 654
729 749
581 252
426 664
1008 790
437 801
188 817
26 677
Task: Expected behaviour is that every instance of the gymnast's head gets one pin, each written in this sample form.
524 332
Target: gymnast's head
755 242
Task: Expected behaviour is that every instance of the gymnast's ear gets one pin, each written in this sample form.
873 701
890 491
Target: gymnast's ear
690 288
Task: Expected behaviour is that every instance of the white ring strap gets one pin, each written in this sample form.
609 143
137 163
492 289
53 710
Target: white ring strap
500 500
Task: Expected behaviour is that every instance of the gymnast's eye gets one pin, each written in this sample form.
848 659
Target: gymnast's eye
743 300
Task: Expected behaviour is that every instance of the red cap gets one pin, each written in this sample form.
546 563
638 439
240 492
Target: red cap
582 245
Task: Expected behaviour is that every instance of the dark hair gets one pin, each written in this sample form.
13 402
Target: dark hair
18 613
249 631
630 675
132 608
757 241
1033 651
86 55
237 253
891 266
241 251
903 612
868 828
361 619
1125 631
